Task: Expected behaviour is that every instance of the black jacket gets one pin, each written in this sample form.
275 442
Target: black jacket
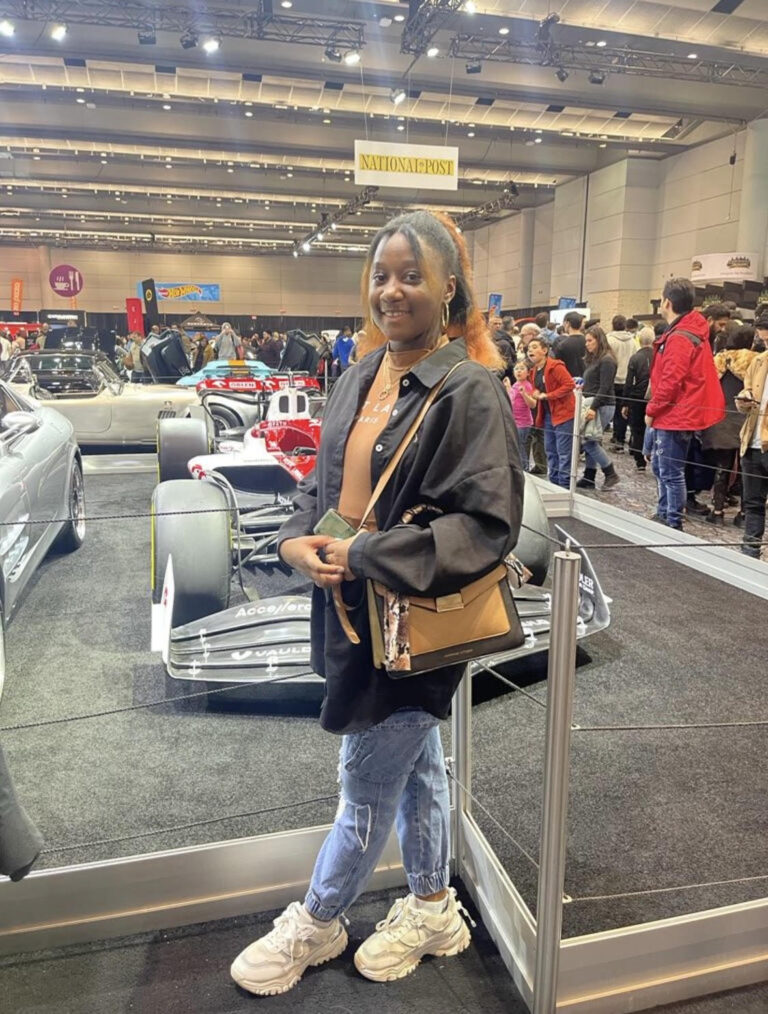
638 374
464 460
571 348
506 347
598 382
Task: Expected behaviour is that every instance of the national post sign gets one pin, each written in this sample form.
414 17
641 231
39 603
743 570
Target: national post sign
415 166
188 292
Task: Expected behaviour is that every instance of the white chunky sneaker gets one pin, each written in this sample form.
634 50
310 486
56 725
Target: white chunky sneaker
408 933
275 963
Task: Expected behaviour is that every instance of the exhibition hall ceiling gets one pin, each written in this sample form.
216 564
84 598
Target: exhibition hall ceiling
181 126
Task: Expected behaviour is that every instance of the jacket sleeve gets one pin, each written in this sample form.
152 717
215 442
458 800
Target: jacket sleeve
745 407
606 375
668 382
629 383
304 518
562 382
480 491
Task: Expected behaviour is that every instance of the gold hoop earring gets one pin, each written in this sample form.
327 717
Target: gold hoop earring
445 317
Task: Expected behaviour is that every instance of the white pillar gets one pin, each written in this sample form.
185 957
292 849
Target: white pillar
753 219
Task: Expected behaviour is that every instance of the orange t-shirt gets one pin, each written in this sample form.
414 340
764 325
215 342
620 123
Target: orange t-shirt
374 414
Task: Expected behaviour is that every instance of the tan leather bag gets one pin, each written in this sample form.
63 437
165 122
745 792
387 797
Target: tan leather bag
479 619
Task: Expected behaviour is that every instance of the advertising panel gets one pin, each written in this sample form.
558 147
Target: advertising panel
725 267
17 294
135 315
414 166
187 292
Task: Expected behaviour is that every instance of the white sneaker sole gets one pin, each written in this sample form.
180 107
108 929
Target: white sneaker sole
331 950
455 944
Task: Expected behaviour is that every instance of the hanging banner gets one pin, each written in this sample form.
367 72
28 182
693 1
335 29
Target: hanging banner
66 281
17 294
148 293
189 292
415 166
134 313
724 267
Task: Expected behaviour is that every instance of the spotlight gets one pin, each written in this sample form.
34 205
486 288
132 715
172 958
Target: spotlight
332 54
320 237
6 28
596 77
287 4
601 43
212 44
399 18
543 34
333 226
562 74
473 67
503 31
432 51
352 58
189 39
470 7
295 253
397 95
147 36
306 246
58 33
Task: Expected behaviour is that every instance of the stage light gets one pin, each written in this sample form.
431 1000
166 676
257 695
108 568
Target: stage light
352 58
287 4
473 67
397 95
189 39
167 107
601 43
306 246
401 126
596 77
332 54
58 33
146 36
399 18
295 253
6 28
503 31
333 226
432 51
693 56
562 74
212 45
320 236
470 7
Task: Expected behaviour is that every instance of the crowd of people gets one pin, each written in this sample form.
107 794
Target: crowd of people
30 339
673 395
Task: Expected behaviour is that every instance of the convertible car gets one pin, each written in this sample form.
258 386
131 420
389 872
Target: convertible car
103 409
42 500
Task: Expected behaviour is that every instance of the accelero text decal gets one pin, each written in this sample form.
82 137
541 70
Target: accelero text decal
416 166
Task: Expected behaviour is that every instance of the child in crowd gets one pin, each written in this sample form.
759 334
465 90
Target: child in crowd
521 397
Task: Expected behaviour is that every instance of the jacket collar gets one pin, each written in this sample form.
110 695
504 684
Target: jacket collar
428 372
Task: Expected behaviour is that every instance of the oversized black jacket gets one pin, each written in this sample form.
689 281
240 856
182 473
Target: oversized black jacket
463 460
598 382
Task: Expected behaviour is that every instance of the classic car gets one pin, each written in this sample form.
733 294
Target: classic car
220 368
103 409
42 499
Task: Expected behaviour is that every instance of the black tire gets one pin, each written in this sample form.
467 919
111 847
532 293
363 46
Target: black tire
533 547
178 440
200 545
224 418
72 535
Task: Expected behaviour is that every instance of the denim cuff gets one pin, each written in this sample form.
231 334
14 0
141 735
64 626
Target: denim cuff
424 884
315 909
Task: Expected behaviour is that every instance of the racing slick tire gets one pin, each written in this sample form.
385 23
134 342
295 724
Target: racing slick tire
72 535
224 418
200 545
533 546
179 440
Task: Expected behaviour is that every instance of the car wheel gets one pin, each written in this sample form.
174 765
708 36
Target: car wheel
533 547
224 419
199 543
72 535
178 440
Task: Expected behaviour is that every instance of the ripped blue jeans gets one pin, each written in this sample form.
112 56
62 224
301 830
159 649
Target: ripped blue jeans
393 772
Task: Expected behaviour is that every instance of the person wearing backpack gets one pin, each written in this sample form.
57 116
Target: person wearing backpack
686 395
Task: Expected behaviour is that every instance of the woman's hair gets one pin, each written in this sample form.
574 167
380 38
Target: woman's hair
741 337
603 348
438 232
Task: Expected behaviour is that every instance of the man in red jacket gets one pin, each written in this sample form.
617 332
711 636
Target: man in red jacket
685 394
553 389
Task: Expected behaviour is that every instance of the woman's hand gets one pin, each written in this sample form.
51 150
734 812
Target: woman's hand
625 413
591 414
338 553
303 554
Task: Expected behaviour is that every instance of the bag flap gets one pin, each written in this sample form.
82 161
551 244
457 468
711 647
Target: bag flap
460 599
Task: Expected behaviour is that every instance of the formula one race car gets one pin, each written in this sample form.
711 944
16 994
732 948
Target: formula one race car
202 535
238 402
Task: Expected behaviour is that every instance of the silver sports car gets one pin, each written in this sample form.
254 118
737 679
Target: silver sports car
42 499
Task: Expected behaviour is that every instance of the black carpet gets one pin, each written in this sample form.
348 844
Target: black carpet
648 809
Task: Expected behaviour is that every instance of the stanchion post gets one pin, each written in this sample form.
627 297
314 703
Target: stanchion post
560 678
461 732
576 443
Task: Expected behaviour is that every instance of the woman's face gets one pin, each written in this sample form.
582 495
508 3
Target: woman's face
591 344
404 305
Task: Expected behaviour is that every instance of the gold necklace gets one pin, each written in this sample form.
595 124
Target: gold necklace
393 373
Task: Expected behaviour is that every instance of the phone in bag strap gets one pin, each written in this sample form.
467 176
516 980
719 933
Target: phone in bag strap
341 607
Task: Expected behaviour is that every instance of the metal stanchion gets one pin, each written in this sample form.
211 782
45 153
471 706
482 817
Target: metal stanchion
560 677
461 762
576 443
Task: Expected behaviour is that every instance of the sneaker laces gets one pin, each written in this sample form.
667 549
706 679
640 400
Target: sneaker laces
399 918
289 930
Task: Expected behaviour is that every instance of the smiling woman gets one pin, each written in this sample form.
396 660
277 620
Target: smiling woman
459 478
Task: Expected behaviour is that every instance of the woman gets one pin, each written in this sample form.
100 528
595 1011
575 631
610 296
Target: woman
599 377
555 409
422 321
